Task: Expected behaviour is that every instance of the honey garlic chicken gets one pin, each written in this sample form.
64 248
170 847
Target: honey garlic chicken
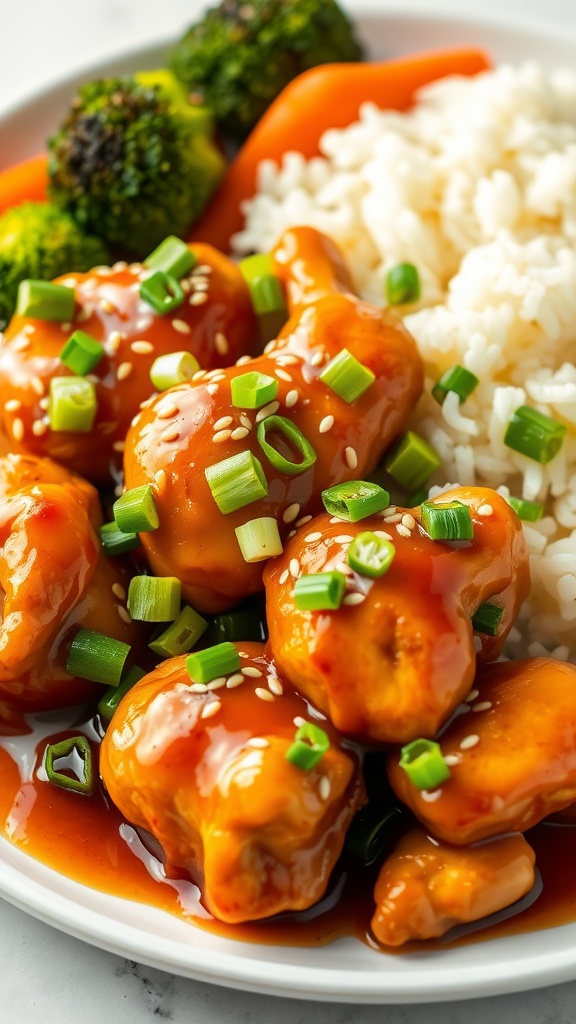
290 437
426 887
54 579
393 661
205 770
215 322
512 755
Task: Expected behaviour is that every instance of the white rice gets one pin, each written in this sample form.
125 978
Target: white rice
476 185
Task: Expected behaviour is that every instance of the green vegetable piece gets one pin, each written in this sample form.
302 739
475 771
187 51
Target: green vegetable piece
355 500
236 481
97 657
72 405
259 539
486 618
265 286
373 833
320 591
135 511
181 635
412 461
310 745
45 301
81 353
77 750
294 437
114 542
402 284
173 257
529 511
347 377
370 555
424 764
114 694
162 292
173 368
448 520
535 435
456 379
154 598
253 390
238 625
220 660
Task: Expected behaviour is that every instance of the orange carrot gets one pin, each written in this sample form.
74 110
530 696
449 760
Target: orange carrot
27 181
328 96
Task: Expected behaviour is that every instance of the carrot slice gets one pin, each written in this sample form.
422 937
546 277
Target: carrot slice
328 96
25 182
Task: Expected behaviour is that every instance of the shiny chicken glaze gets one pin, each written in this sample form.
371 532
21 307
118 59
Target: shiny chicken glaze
205 771
394 666
215 322
512 755
194 426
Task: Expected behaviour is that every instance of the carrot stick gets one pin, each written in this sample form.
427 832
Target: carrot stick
328 96
27 181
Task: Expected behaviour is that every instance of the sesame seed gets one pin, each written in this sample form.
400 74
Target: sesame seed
167 411
477 644
452 759
430 797
326 424
44 403
351 458
264 694
124 615
170 434
124 371
223 422
202 268
484 705
216 684
243 360
353 599
402 530
291 534
144 322
270 346
198 688
113 343
286 360
18 429
39 428
102 271
118 591
303 520
289 514
181 326
317 359
313 536
211 709
343 538
216 376
284 577
37 385
221 343
258 742
472 695
222 435
395 517
160 479
408 521
234 680
383 535
485 510
469 741
106 306
291 398
13 405
118 446
283 375
199 374
275 685
200 284
336 519
21 344
253 673
142 348
267 410
294 567
120 265
135 420
239 433
299 721
212 389
197 298
324 787
245 421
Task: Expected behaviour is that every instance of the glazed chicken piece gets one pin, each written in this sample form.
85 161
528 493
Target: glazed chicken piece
426 887
216 323
54 579
193 427
399 654
512 756
205 771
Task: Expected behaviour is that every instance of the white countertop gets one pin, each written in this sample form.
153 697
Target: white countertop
48 977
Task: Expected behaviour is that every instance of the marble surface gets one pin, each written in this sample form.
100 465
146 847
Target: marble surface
47 976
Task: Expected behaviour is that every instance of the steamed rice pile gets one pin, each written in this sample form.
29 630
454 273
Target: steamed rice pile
477 187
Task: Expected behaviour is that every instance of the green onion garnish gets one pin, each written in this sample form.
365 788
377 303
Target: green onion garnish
236 481
347 376
72 404
259 539
417 497
45 301
172 256
181 635
310 745
402 284
355 500
411 461
154 598
535 435
292 436
319 591
173 368
529 511
220 660
486 618
424 764
77 751
162 292
97 657
81 353
135 511
373 833
456 379
370 555
447 520
265 286
241 624
253 390
114 542
114 694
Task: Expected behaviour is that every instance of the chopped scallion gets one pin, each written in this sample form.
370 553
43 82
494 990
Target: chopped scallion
220 660
310 745
114 542
424 764
236 482
241 624
162 292
72 404
45 301
259 539
135 511
253 390
347 377
173 368
457 379
355 500
535 435
181 635
417 498
114 694
97 657
402 284
76 751
486 618
447 520
81 353
373 833
411 461
370 555
265 286
529 511
154 598
172 256
291 435
319 591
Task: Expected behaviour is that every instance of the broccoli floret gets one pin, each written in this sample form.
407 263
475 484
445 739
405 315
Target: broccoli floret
134 160
243 53
41 241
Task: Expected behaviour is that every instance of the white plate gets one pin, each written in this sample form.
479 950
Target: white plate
345 970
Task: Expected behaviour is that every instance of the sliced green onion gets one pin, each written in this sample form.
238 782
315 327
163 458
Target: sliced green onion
72 405
253 390
220 660
45 301
417 498
81 353
162 292
347 376
173 368
77 751
355 500
310 745
486 618
181 635
259 539
447 520
319 591
370 555
173 257
135 511
240 625
114 694
402 284
456 379
293 437
529 511
236 481
114 542
373 833
265 286
535 435
424 764
411 461
97 657
154 598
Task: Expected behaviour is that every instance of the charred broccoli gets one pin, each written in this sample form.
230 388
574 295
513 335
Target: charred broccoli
134 161
41 241
243 53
